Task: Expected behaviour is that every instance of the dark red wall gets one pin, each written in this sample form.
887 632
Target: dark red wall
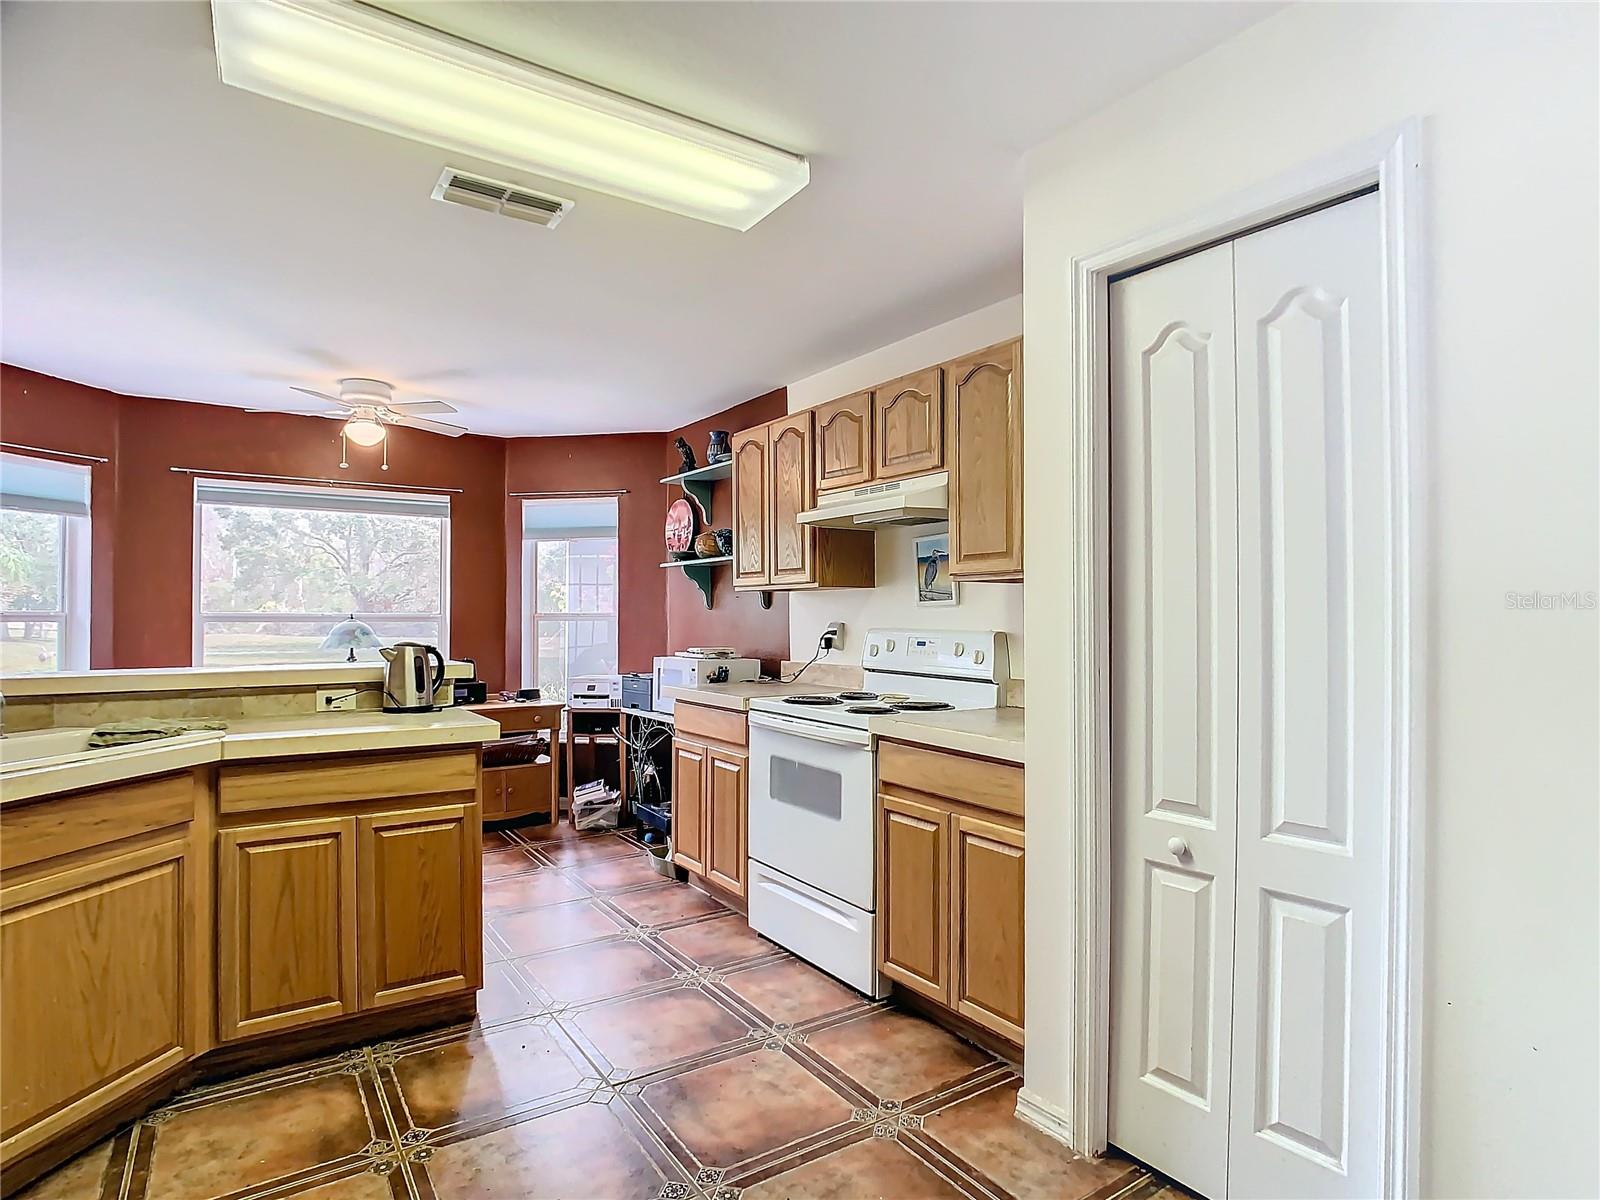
735 618
143 528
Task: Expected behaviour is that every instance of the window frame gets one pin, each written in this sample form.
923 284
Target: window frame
531 614
72 616
199 617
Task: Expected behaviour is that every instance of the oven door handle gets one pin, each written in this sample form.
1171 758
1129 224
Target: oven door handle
811 730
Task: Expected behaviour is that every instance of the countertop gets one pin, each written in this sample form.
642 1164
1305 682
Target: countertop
203 679
989 732
738 695
57 760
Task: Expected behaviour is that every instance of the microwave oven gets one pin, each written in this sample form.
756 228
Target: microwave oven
678 672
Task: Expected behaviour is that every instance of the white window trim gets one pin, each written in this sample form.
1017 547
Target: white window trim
198 617
73 617
531 617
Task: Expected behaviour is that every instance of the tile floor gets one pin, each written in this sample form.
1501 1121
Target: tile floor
634 1039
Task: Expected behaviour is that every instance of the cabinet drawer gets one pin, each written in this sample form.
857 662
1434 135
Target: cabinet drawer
31 833
975 781
293 784
719 724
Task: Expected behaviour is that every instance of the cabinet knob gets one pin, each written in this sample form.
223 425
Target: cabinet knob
1177 847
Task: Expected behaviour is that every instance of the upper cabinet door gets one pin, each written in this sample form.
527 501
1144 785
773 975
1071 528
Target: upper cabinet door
844 442
751 515
790 463
909 418
984 399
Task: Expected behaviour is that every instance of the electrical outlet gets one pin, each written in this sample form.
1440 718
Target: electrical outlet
336 700
833 635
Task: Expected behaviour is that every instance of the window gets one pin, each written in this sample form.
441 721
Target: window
277 567
44 566
569 591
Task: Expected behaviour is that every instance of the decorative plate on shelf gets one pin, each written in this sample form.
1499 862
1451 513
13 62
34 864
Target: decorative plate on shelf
680 527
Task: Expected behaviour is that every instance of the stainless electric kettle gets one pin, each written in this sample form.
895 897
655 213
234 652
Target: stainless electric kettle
408 684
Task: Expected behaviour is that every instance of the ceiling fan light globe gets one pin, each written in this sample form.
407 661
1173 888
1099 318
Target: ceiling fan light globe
364 431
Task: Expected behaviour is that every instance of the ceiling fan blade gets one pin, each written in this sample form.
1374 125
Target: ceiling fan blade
303 412
422 406
319 395
432 426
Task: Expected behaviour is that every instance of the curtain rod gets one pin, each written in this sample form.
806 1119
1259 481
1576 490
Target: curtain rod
349 483
565 495
93 458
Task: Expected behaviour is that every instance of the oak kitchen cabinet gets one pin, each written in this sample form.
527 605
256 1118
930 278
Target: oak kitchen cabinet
983 441
908 425
950 882
774 481
710 794
844 442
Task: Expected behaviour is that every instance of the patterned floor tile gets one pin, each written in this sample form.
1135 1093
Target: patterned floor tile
792 992
511 861
514 893
897 1056
666 903
468 1078
596 971
984 1132
553 927
505 995
78 1179
611 875
585 1151
647 1032
875 1169
571 852
244 1139
719 941
732 1111
361 1186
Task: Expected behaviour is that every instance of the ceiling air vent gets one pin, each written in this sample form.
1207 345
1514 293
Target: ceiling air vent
507 199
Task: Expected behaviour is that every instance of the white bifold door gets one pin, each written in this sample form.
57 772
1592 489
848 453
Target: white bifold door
1252 603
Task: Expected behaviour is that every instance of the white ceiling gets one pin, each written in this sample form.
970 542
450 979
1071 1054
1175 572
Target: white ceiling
166 235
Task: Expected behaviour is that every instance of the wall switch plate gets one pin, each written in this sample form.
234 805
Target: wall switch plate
336 699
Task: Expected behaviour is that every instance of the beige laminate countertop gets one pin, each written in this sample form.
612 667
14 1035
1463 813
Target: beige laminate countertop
737 696
51 761
990 732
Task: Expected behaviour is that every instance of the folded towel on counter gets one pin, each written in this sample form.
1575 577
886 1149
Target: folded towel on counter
126 733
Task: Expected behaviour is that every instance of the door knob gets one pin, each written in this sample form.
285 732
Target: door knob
1177 847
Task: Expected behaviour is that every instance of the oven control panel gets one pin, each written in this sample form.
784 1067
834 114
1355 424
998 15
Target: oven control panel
964 654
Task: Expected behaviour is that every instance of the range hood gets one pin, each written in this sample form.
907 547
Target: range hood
920 500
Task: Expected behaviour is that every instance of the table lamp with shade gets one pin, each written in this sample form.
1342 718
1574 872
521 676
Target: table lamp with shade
352 635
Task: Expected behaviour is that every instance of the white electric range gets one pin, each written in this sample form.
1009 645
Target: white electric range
812 821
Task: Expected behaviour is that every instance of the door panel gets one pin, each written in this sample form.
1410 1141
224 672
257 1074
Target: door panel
688 805
1315 513
286 924
790 459
909 418
983 404
987 925
914 896
1174 665
844 442
752 517
725 819
420 901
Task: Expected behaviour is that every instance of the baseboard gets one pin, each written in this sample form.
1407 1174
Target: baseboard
1033 1109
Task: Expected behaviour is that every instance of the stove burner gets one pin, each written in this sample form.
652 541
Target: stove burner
812 700
870 710
858 696
922 706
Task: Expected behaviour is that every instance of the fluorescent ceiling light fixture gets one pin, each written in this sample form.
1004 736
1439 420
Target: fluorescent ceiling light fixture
359 64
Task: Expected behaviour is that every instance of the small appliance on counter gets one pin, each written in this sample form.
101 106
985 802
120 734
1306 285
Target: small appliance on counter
683 671
595 691
408 684
638 690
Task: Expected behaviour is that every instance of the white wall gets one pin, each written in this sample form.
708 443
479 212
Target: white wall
1507 96
893 602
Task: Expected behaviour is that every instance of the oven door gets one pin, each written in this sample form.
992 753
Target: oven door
811 804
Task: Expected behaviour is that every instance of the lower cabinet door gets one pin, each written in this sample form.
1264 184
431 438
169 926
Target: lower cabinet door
688 805
914 896
726 806
420 924
495 795
95 961
987 954
286 925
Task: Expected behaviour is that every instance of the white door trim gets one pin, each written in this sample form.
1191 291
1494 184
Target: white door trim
1392 160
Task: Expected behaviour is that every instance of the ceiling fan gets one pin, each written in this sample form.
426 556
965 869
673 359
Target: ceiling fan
366 406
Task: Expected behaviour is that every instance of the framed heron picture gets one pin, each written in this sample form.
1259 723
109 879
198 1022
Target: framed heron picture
934 585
